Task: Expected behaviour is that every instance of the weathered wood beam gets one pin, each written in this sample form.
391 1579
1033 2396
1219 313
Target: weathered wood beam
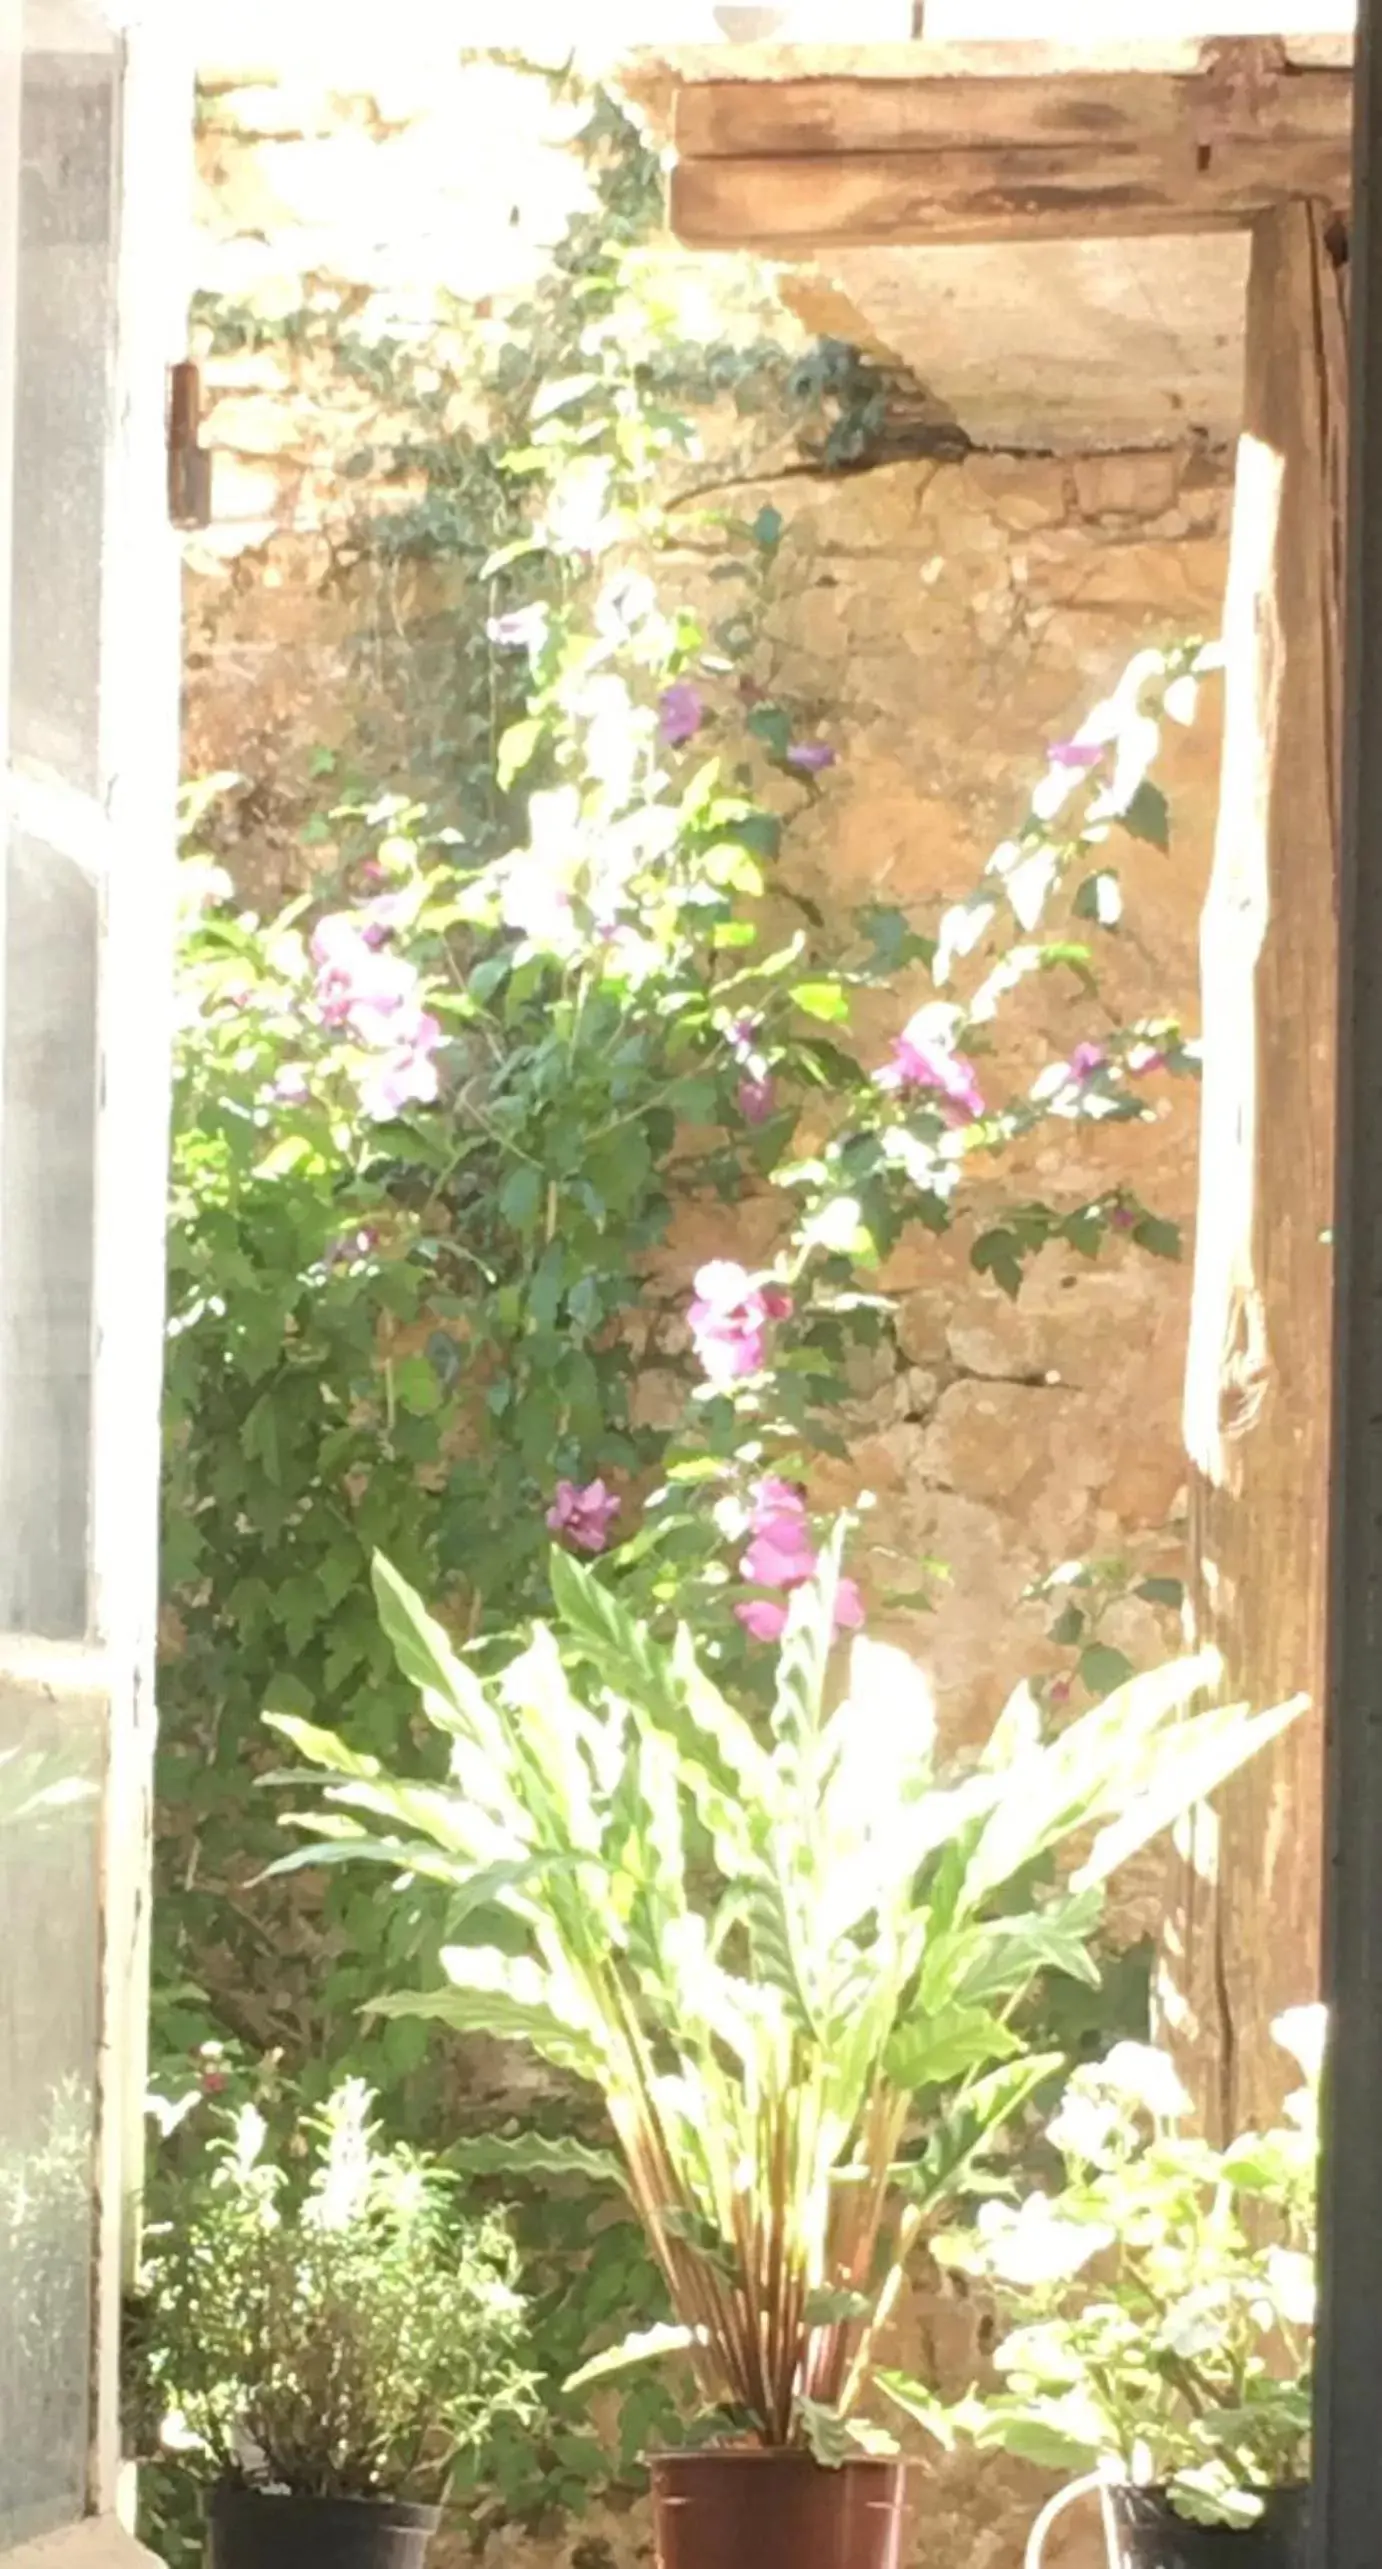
957 99
1008 143
1242 1941
797 208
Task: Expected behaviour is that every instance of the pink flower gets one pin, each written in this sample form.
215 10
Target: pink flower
520 629
1076 753
584 1513
922 1059
849 1606
1123 1218
782 1554
729 1318
1145 1058
358 986
756 1099
742 1036
680 713
405 1076
384 915
1086 1059
810 757
763 1618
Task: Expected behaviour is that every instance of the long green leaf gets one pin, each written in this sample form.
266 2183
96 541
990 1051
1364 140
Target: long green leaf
1201 1756
647 2347
525 2154
968 2128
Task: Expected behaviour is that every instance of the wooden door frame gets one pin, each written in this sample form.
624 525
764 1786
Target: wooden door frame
130 825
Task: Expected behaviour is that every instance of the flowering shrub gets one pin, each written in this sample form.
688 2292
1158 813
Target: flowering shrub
433 1119
1161 2302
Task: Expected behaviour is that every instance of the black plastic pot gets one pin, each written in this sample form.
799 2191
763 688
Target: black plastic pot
248 2529
1145 2532
759 2510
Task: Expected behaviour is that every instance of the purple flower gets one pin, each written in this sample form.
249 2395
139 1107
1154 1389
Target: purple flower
924 1059
742 1036
519 629
729 1319
756 1099
680 713
350 1246
584 1513
810 757
1086 1059
1122 1218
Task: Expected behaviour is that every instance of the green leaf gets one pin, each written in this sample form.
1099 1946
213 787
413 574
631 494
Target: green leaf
766 529
996 1254
1102 1668
518 746
648 2346
931 2051
1161 1592
822 999
1198 1757
504 1995
1100 897
1161 1238
773 727
920 2404
1068 1626
528 2154
416 1387
1148 816
968 2128
520 1196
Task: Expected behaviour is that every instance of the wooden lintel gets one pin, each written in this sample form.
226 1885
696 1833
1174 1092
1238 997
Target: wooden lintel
961 150
794 208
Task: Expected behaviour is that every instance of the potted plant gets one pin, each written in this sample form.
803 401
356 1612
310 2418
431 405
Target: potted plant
328 2342
1163 2297
788 1955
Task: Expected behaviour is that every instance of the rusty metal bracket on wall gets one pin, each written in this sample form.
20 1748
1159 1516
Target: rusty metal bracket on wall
189 463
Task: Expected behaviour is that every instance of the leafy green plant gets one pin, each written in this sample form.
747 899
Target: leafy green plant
330 2325
787 1965
1162 2297
426 1293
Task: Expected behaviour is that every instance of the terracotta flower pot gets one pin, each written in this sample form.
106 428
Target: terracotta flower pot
248 2529
1145 2532
755 2510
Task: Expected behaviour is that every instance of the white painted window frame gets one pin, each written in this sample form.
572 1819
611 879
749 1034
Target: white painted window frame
126 837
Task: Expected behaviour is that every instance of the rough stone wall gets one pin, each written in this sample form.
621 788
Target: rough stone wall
947 620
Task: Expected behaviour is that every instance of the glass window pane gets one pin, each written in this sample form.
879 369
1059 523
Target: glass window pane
50 1753
64 350
48 1104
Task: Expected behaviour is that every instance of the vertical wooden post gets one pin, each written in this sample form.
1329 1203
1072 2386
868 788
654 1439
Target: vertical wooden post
1242 1941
